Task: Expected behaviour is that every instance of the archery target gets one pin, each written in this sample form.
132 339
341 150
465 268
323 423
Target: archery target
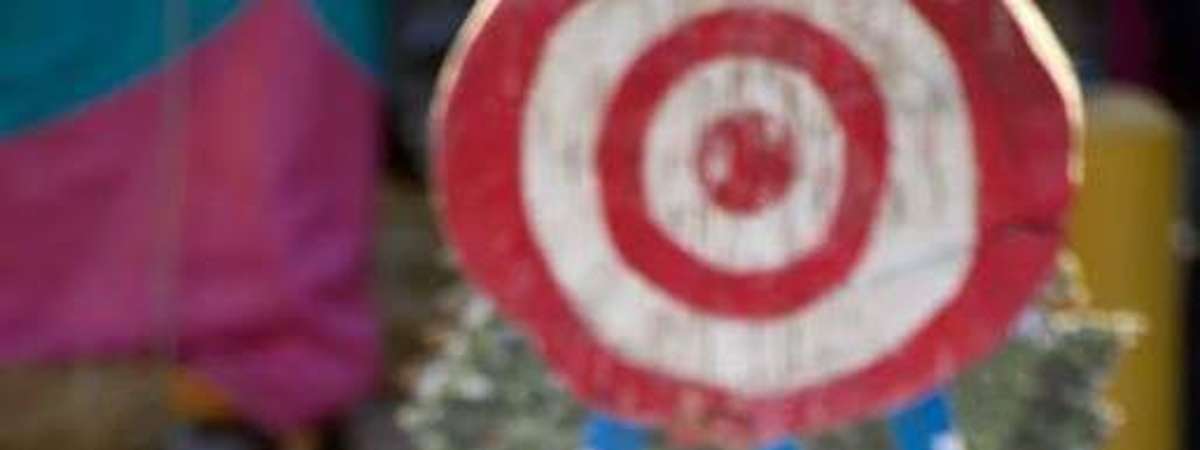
648 319
797 210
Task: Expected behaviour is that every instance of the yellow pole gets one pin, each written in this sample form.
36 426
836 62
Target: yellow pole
1123 230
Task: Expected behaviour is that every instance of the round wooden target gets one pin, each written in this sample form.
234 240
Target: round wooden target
788 214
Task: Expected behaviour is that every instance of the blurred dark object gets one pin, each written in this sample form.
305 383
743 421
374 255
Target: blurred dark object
425 33
1152 43
1079 24
1178 54
217 436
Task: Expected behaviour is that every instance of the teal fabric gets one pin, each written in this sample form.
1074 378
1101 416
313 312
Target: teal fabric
56 55
361 27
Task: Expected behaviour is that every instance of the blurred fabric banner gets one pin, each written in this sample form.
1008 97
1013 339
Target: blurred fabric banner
192 179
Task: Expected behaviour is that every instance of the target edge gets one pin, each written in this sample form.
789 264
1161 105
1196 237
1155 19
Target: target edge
1054 242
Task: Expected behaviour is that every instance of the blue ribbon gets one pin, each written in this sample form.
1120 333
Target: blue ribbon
606 433
928 425
788 444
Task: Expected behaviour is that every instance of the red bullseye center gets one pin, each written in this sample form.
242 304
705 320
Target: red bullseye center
746 162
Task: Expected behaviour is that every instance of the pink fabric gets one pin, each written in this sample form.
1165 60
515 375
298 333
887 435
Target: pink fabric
247 252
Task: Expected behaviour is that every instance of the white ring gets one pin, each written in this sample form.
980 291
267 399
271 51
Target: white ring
918 255
781 232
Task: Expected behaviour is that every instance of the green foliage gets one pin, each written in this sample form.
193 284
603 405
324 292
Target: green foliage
488 391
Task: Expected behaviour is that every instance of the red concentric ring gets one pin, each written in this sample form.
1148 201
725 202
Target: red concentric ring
742 33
